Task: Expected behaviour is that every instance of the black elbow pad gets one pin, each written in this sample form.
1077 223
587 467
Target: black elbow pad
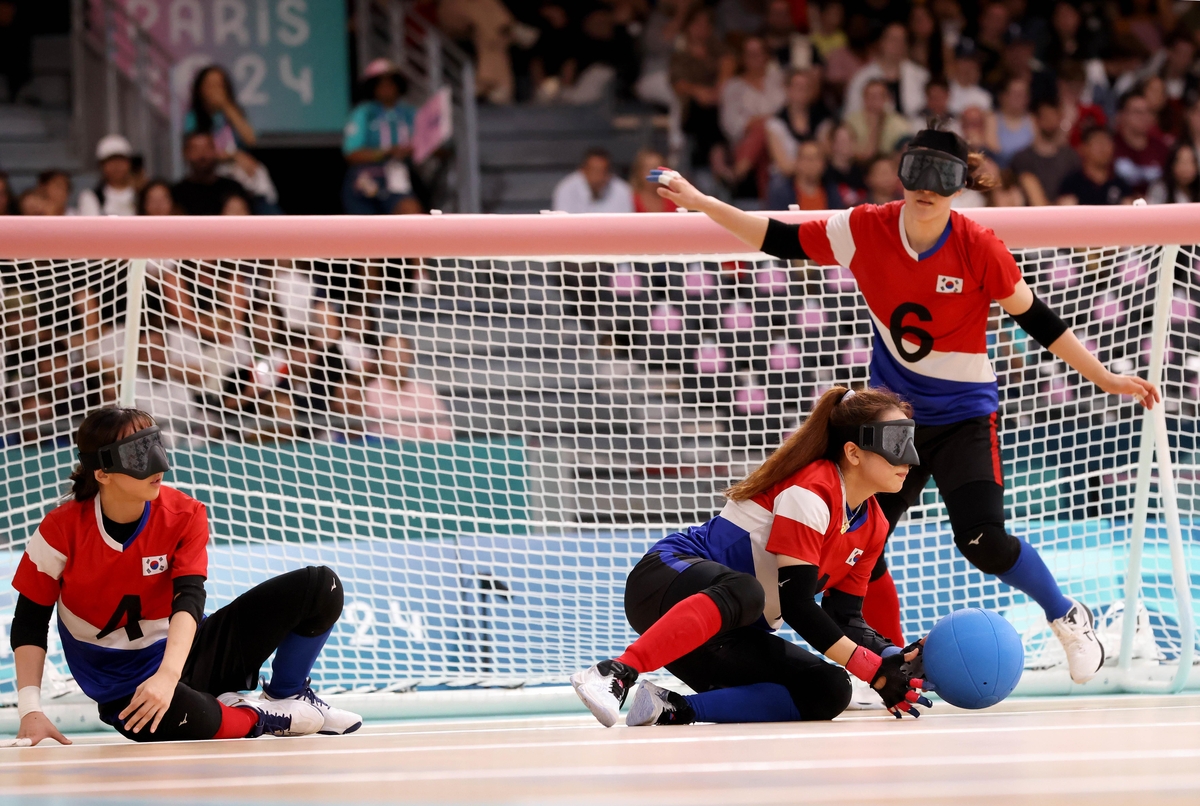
1042 324
30 624
798 606
189 596
783 241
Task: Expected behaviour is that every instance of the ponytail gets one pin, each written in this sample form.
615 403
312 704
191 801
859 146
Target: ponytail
835 414
977 178
102 427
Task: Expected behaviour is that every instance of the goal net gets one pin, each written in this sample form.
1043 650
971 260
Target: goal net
483 447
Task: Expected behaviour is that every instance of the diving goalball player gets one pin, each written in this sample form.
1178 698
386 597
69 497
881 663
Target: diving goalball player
125 560
706 601
929 276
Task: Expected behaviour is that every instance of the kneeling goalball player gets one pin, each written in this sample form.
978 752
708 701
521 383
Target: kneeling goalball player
126 560
707 600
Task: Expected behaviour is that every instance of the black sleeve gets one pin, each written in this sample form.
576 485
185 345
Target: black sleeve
783 241
1042 324
798 605
30 624
846 611
189 596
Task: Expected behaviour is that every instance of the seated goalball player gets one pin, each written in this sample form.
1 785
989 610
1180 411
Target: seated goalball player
707 600
125 560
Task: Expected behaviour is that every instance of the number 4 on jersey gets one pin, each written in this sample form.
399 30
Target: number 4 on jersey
131 606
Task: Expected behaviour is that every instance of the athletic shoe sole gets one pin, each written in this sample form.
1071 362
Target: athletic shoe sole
645 708
604 715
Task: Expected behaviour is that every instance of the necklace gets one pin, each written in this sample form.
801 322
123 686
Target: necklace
852 515
849 516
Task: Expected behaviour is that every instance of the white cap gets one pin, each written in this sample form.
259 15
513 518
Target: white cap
379 67
113 145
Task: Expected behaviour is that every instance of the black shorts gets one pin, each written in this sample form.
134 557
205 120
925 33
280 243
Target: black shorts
739 657
954 455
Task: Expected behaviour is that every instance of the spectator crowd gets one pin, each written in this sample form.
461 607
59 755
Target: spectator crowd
249 352
222 175
798 102
771 102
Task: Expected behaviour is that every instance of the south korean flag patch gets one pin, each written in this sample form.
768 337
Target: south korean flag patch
949 285
154 565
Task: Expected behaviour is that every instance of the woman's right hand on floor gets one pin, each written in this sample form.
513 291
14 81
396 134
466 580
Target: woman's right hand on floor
36 726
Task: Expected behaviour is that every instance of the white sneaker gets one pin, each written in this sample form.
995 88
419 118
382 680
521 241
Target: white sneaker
655 705
288 717
603 688
1075 630
336 720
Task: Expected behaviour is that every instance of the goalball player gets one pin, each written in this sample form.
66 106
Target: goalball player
125 560
929 276
706 601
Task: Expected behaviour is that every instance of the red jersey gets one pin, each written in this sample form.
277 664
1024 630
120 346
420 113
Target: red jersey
114 599
804 517
929 309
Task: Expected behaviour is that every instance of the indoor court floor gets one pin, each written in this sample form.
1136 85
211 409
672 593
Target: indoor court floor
1087 750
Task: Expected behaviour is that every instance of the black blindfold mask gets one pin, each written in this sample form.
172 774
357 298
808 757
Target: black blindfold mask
139 455
894 440
937 171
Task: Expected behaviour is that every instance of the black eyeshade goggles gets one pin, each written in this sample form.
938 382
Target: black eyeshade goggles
937 171
894 440
139 455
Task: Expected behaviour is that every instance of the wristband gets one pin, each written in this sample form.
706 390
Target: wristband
29 700
863 664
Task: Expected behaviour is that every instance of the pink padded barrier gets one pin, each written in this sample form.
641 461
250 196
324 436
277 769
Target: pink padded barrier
526 235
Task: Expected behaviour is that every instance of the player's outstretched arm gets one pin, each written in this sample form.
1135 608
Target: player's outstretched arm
35 725
751 229
1052 333
797 602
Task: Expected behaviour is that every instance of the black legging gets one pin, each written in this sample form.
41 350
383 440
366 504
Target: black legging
740 654
231 646
963 459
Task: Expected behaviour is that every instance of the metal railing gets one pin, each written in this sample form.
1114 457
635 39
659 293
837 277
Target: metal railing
121 83
387 28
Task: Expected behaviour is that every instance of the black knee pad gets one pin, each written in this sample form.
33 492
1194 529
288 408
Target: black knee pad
323 602
989 547
740 599
824 693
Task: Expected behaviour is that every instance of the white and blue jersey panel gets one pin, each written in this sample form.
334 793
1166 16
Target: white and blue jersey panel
943 387
113 666
737 539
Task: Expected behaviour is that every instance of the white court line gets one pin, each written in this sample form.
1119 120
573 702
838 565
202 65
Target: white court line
589 725
972 791
641 771
594 742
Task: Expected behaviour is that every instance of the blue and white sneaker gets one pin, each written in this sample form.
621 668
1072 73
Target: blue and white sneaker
336 721
277 717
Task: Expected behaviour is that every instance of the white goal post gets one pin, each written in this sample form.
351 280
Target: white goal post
482 422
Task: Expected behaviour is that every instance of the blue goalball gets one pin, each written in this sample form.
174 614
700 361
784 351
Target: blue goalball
974 658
